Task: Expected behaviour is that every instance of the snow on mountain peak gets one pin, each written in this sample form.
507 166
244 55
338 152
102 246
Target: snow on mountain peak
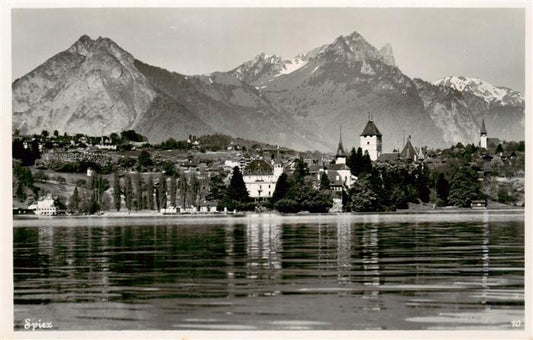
480 88
292 65
265 67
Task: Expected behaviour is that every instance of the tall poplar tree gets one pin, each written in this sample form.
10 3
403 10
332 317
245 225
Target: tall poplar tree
128 192
183 185
162 191
74 201
150 192
138 191
173 188
116 191
195 189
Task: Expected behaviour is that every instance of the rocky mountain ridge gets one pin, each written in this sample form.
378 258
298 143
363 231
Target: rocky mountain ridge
95 87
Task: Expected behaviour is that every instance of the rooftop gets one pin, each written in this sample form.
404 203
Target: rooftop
371 129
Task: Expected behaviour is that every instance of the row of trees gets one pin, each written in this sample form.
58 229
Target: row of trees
90 197
162 192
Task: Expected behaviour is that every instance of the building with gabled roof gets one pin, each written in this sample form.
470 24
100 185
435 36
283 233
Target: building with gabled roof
409 152
260 178
370 140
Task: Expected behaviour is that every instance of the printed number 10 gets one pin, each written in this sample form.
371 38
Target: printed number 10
516 323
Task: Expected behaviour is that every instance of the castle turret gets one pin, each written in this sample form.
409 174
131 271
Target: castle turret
483 135
370 141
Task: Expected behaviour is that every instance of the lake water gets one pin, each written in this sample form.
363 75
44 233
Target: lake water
364 272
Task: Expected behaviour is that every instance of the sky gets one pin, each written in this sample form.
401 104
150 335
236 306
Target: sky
428 43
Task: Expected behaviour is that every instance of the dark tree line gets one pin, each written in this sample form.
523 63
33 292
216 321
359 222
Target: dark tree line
91 197
296 193
359 163
390 186
155 194
233 196
28 155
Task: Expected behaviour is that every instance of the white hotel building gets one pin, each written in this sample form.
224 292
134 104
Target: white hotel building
260 178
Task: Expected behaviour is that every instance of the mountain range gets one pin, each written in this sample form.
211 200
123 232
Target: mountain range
95 87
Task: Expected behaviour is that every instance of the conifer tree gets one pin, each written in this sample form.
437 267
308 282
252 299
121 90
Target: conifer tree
173 189
183 186
443 189
116 191
237 189
217 189
162 191
138 191
282 187
128 192
300 170
74 201
352 161
150 193
195 189
324 182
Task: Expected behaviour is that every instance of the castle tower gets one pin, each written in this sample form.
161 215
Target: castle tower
483 135
370 141
340 155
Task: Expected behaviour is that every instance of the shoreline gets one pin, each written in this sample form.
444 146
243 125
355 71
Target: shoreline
155 214
140 219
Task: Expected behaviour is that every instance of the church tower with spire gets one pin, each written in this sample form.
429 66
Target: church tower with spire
483 135
340 155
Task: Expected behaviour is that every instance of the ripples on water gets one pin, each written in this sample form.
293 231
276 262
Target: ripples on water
265 274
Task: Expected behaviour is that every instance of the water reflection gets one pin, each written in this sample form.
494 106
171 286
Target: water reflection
344 244
263 257
370 250
265 274
486 263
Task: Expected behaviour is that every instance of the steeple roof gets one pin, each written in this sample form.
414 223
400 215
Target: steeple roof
371 130
483 129
340 148
408 151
